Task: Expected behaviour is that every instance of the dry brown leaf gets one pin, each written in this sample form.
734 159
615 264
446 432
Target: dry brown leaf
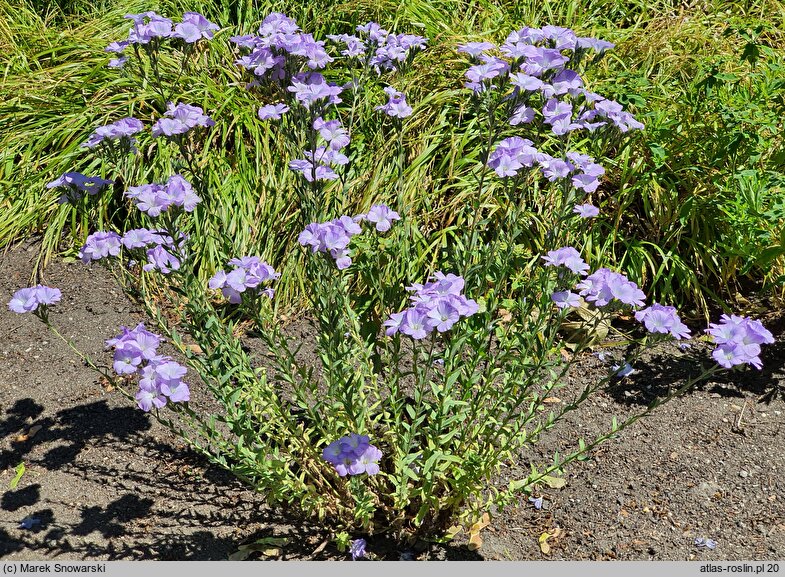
551 400
194 348
505 316
475 542
484 521
29 435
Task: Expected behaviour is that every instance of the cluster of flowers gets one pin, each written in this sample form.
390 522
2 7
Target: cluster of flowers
318 163
435 305
153 199
28 300
281 48
310 88
121 130
533 63
353 455
147 27
248 273
739 340
383 50
165 254
604 286
180 118
278 37
76 183
333 237
396 105
514 153
136 352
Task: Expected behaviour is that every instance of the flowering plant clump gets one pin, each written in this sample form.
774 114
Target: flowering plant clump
248 273
448 377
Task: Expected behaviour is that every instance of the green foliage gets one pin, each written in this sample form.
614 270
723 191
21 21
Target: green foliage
696 199
706 81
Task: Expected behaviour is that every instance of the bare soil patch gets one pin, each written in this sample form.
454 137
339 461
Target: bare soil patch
106 481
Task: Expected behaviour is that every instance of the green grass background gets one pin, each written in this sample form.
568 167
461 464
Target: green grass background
693 207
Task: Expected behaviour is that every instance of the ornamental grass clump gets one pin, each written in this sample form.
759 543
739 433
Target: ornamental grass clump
425 384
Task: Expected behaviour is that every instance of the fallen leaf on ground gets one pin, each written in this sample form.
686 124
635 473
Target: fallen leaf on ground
29 435
266 546
554 482
475 541
543 539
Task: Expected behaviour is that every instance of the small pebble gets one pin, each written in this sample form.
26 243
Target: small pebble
743 474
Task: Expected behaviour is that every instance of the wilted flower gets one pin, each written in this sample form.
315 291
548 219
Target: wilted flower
537 502
29 522
705 543
623 370
357 549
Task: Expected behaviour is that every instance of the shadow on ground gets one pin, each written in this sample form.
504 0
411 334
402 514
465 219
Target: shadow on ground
185 509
